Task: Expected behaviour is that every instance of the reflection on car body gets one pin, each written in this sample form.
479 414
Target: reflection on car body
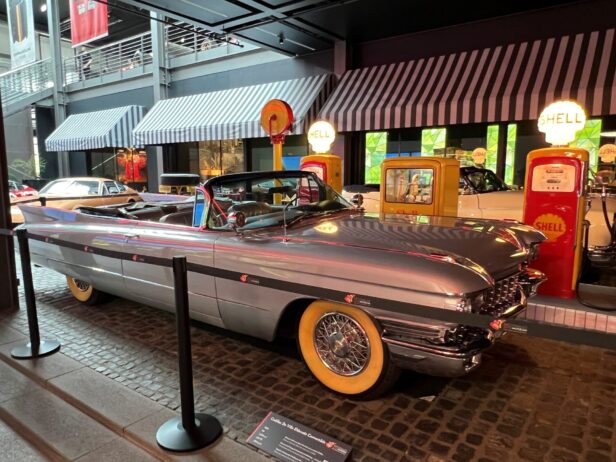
271 252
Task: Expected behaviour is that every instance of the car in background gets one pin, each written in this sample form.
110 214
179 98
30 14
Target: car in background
21 190
71 193
482 194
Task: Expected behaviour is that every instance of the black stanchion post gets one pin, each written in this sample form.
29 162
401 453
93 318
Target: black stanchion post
36 347
190 431
43 201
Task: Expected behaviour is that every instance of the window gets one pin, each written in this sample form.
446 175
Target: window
409 185
56 187
433 140
83 188
376 149
111 187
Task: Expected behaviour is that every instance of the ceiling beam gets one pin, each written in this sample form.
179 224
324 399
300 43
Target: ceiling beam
151 5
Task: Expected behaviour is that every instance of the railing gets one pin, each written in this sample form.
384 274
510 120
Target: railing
131 53
136 52
180 42
25 82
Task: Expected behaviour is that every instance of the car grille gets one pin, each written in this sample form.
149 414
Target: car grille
502 296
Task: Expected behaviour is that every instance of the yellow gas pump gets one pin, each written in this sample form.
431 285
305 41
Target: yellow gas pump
420 186
328 167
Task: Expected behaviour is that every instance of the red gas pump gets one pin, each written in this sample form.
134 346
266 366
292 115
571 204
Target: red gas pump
554 203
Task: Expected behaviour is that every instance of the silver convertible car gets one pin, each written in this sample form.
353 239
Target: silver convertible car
272 253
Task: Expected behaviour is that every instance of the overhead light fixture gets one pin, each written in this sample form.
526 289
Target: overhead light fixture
281 38
44 7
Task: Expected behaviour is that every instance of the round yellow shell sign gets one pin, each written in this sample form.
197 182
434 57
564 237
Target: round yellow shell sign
551 225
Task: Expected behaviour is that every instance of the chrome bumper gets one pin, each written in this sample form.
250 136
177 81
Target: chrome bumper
441 362
455 362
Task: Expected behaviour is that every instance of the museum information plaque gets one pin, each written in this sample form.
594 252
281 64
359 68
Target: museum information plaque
291 441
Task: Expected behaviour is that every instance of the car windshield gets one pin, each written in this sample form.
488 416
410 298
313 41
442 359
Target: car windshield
270 199
72 188
484 181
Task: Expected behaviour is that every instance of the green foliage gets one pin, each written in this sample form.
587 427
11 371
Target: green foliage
20 169
376 147
431 139
491 147
512 133
589 138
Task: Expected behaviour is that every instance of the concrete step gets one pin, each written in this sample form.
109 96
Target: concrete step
58 382
16 448
58 430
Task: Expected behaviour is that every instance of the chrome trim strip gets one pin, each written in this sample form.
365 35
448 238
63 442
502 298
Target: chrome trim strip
436 351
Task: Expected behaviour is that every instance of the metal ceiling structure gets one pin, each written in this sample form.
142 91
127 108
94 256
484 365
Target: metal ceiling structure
299 27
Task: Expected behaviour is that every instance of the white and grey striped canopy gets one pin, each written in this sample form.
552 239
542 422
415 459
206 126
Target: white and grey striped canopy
504 83
110 128
231 114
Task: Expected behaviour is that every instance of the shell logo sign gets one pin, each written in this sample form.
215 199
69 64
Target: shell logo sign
560 121
551 225
321 135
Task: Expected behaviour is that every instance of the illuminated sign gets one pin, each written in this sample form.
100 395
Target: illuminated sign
551 225
321 135
560 121
607 153
479 156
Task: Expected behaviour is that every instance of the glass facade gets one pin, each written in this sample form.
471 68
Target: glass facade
128 166
219 157
261 153
589 138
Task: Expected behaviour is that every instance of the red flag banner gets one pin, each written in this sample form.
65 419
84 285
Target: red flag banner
88 21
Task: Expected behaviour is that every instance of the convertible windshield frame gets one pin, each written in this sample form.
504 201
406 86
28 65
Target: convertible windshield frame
268 198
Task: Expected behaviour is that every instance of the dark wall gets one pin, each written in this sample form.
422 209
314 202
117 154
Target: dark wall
318 63
550 22
78 163
528 138
138 97
18 129
44 126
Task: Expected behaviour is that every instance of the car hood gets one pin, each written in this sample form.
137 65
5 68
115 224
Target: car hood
489 247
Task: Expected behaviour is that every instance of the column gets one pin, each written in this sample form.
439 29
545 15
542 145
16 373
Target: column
160 82
345 143
59 99
501 151
8 282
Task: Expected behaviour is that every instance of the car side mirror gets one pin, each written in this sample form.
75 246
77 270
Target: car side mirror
236 220
357 200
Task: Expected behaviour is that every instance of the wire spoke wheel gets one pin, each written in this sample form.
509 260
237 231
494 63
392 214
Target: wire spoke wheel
342 344
342 347
81 285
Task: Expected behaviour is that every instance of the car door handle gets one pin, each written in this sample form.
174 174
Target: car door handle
131 236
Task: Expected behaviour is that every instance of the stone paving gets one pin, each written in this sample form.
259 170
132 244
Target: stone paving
531 400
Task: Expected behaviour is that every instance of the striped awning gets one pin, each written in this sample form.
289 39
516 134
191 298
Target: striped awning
505 83
231 114
110 128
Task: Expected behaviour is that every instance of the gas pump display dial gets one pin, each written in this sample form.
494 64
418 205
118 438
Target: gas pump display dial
554 178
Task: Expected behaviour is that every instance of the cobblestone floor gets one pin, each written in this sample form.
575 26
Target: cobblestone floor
532 399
